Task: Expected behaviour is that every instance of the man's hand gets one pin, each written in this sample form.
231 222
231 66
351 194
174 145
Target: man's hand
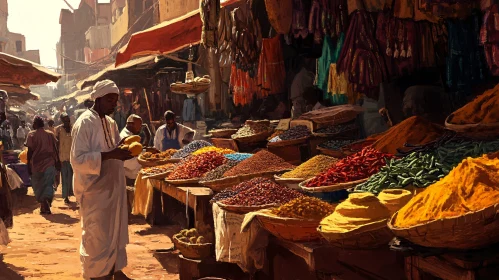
118 154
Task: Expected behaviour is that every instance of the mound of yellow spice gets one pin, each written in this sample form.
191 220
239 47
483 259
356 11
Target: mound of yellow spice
213 149
472 186
311 167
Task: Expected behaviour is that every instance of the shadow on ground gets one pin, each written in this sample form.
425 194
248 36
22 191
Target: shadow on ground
61 218
7 273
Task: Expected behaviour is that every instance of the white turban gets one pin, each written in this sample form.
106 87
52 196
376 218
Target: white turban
132 118
104 88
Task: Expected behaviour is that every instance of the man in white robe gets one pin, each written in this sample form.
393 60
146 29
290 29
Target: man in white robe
99 186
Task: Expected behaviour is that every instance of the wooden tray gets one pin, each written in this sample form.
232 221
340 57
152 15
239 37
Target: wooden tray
157 176
337 187
245 209
183 182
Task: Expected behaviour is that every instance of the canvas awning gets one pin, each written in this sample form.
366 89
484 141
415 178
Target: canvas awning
75 95
15 70
166 37
108 72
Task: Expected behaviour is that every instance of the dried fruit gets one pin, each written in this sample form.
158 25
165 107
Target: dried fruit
218 172
135 149
197 166
305 207
297 132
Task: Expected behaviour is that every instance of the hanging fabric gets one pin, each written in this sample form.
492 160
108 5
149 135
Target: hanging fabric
299 24
210 16
337 88
330 53
271 69
243 86
279 14
489 38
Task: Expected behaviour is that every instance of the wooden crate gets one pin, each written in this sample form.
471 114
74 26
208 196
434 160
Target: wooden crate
291 153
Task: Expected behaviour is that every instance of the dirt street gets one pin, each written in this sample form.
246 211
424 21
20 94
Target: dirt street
47 247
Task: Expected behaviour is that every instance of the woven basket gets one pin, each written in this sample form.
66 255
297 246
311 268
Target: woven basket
293 183
193 88
370 236
354 147
153 163
221 184
254 138
245 209
340 186
183 182
485 131
283 143
269 175
471 231
332 153
193 251
157 176
291 229
222 133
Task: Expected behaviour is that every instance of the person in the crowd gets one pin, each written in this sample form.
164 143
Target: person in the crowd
172 135
22 132
5 132
88 103
63 135
99 186
51 127
132 166
302 82
119 117
43 161
312 98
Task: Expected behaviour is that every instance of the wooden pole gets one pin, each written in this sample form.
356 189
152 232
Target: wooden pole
148 106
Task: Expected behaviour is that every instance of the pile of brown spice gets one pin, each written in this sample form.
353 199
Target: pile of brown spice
483 109
414 130
261 162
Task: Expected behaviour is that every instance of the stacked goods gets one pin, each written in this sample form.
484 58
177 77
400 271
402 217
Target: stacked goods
414 130
337 129
218 172
472 186
359 221
238 156
333 115
160 169
417 169
356 167
311 167
262 192
394 199
213 149
196 166
190 148
307 208
261 162
482 110
158 156
297 132
230 192
190 236
335 144
132 144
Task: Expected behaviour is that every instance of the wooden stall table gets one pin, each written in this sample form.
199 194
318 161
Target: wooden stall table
327 262
196 198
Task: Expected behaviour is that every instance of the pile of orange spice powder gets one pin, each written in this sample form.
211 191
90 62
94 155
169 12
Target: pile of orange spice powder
483 109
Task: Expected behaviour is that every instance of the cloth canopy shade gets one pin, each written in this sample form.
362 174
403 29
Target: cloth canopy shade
75 95
14 70
166 37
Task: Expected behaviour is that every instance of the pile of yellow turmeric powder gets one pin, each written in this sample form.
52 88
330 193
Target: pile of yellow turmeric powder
472 186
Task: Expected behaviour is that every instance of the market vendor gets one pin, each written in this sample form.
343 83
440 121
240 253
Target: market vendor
302 82
172 135
132 166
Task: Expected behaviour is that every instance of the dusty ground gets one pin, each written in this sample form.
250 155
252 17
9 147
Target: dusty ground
47 247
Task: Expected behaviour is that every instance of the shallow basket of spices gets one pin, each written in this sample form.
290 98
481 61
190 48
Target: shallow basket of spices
470 231
270 175
370 236
221 184
152 163
291 229
183 182
157 176
283 143
332 153
331 188
223 133
293 183
260 137
243 209
193 251
479 131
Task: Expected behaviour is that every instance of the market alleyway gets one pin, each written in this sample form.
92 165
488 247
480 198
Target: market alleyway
47 247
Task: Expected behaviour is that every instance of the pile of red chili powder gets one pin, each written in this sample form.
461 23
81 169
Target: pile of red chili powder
414 130
352 168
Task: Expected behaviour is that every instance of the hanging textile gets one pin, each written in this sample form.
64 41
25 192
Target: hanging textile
243 86
337 88
224 37
246 42
447 8
360 57
368 5
299 25
210 16
330 53
334 18
271 70
279 16
489 38
465 65
314 21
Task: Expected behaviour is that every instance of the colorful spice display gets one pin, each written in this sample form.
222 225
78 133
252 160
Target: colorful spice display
238 156
191 148
230 192
335 144
352 168
213 149
395 199
218 172
359 210
453 152
309 208
160 169
158 156
197 166
311 167
251 130
414 130
473 185
263 193
261 162
296 132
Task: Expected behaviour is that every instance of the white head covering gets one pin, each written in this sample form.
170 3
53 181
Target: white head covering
132 118
104 88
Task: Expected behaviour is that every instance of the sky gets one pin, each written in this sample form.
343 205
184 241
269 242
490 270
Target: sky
38 21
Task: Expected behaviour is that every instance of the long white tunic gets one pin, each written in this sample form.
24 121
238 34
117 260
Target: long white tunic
99 187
